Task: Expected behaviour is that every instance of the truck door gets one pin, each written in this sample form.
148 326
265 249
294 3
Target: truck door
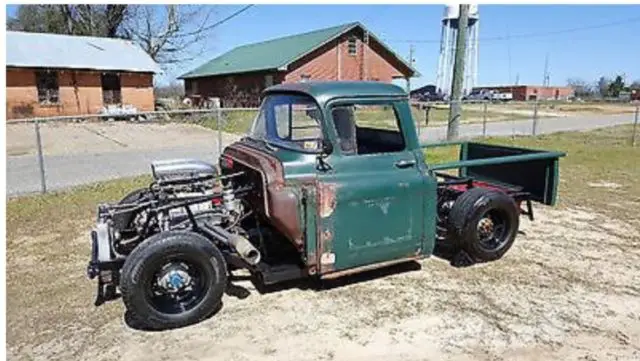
371 201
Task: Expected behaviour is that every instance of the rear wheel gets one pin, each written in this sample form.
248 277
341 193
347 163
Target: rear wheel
173 279
484 223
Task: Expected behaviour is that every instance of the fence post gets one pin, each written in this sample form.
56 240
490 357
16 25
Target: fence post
219 126
484 119
635 126
427 109
534 129
43 181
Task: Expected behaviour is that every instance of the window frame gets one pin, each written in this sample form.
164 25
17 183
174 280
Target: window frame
281 142
116 94
368 102
50 92
353 39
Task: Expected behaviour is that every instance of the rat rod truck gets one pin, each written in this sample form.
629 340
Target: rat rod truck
330 180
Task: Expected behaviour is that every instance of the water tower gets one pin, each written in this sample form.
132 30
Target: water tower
448 37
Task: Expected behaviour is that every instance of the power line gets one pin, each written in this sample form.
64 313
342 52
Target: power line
227 18
529 35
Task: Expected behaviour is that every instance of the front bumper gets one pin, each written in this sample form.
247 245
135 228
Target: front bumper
104 267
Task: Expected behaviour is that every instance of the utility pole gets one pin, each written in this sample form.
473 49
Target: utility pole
455 109
411 64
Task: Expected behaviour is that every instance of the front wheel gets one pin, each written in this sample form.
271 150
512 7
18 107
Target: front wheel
173 279
484 223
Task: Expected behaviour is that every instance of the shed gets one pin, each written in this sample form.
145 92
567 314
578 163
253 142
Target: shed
52 74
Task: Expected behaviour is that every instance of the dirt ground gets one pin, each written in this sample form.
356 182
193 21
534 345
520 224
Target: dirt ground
569 289
94 137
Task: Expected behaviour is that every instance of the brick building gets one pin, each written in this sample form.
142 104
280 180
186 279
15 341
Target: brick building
50 75
345 52
530 92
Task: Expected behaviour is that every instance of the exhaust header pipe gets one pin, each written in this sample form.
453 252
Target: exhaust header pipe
245 249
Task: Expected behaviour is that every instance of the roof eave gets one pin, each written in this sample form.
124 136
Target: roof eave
194 76
80 67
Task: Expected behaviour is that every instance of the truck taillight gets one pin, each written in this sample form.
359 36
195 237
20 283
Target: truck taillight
226 162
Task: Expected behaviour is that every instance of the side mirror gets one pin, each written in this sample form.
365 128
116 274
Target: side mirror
327 147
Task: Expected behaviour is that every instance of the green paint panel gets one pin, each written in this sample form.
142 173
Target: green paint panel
371 208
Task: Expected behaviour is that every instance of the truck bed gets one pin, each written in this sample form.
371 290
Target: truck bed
529 170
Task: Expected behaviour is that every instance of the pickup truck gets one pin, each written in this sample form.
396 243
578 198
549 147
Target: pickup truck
331 180
488 95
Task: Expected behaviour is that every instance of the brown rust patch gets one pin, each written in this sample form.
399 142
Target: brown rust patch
283 204
327 201
280 202
326 257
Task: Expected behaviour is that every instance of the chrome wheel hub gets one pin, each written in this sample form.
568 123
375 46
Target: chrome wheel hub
485 227
174 279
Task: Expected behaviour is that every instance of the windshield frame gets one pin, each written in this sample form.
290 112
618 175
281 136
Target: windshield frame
278 142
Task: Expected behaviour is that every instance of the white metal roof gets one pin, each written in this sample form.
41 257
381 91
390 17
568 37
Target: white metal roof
76 52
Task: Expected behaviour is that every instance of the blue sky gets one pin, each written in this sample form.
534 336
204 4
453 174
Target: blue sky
585 54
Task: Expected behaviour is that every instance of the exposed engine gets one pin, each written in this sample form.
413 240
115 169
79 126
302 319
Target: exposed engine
184 195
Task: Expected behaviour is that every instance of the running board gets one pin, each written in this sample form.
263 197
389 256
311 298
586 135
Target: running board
280 273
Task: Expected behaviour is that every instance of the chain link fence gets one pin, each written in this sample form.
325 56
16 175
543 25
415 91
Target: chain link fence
54 153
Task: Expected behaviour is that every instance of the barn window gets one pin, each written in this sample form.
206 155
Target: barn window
352 45
111 88
48 88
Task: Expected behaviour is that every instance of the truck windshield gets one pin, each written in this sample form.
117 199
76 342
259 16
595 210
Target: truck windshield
288 121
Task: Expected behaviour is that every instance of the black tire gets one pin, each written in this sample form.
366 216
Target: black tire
480 204
140 272
134 196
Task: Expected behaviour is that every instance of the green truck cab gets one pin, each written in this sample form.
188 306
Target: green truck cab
330 180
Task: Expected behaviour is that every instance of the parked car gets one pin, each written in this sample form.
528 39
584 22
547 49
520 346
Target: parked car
315 195
488 95
430 97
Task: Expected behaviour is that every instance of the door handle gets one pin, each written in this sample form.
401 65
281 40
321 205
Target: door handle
405 163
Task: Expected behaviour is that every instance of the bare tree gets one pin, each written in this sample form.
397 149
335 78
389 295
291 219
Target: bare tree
172 34
581 88
172 90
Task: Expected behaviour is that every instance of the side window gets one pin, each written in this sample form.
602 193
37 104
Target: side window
368 129
47 85
297 122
